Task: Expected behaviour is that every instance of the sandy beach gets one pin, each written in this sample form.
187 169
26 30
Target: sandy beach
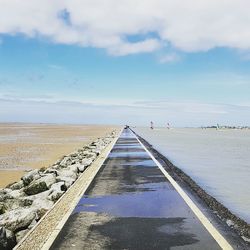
28 146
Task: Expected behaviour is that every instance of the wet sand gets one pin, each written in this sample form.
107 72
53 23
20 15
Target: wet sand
28 146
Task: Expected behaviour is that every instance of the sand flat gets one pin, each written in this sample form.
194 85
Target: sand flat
29 146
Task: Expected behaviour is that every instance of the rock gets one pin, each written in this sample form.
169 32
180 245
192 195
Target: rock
74 168
4 194
17 219
81 168
17 185
74 154
21 234
230 223
49 179
15 194
41 201
66 162
41 212
10 204
3 208
36 187
86 162
4 191
32 224
245 239
96 151
7 239
26 202
68 181
30 176
91 155
67 173
57 190
42 169
51 170
57 162
40 185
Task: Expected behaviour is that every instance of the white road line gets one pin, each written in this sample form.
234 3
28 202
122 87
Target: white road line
223 243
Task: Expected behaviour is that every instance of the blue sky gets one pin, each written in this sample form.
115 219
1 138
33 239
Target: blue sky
123 75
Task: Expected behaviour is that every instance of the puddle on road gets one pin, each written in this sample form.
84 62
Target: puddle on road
153 200
124 146
142 163
127 150
127 233
132 154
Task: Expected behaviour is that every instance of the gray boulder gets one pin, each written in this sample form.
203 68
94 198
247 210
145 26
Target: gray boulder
81 168
91 155
86 162
7 239
15 194
10 204
66 162
73 168
68 181
4 194
3 208
32 224
74 154
51 170
41 201
17 185
30 176
40 185
57 190
17 219
67 173
21 234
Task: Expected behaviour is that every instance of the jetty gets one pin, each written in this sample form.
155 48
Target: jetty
127 200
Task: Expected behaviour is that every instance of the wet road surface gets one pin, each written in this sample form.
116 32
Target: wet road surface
131 205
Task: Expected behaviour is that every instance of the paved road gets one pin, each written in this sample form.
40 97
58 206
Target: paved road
131 205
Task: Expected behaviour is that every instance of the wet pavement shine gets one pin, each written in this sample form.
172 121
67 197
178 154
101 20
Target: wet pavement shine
131 205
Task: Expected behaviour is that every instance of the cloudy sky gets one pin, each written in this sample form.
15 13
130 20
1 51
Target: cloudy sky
125 61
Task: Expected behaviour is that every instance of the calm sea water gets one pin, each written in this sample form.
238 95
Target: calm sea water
218 160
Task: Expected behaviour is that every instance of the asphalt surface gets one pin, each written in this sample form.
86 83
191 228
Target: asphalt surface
131 205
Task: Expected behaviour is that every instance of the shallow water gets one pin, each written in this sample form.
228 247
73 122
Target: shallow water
218 160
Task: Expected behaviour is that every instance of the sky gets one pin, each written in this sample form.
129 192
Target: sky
186 63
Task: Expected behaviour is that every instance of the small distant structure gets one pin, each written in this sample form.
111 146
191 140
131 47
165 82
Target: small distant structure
168 125
217 126
151 125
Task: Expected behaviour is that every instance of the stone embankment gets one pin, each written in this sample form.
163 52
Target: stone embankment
23 203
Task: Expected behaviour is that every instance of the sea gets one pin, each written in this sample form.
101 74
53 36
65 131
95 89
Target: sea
218 160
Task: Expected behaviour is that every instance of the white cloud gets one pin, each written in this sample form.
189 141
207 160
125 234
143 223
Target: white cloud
169 58
148 45
184 25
